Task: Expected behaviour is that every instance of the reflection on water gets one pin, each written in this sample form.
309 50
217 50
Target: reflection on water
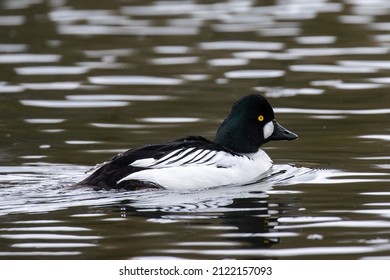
252 218
73 104
84 80
133 80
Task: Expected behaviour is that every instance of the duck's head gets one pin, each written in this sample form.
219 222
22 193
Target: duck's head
251 123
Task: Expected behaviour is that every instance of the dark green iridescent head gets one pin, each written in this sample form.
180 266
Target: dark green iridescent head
251 123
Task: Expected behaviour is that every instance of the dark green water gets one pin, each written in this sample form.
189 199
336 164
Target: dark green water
84 80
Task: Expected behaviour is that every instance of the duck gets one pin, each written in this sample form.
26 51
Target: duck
234 157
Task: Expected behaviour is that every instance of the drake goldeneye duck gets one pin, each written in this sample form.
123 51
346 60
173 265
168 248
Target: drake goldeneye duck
233 158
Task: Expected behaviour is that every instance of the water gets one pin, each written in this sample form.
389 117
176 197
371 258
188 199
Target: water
84 80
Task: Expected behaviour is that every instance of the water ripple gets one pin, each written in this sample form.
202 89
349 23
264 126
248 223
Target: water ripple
227 61
11 20
338 51
315 40
108 52
5 88
75 29
52 86
52 245
133 80
384 137
322 68
28 58
241 45
44 121
332 111
290 252
339 84
174 60
170 120
346 224
171 49
73 104
276 92
10 48
124 97
51 70
379 64
254 74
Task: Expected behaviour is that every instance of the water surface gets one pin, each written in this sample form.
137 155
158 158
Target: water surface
84 80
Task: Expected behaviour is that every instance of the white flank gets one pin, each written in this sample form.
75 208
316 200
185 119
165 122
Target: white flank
185 171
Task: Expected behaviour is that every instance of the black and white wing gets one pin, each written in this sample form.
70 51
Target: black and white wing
185 152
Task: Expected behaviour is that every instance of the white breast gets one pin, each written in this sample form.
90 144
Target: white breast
195 171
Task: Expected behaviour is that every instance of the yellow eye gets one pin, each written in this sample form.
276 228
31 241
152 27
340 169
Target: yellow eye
260 118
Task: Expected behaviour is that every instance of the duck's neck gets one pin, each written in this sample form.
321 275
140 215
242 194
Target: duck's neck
233 137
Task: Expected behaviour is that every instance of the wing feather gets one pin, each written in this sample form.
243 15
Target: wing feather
186 157
169 156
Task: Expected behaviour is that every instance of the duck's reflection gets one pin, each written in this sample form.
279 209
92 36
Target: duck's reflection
240 222
253 221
